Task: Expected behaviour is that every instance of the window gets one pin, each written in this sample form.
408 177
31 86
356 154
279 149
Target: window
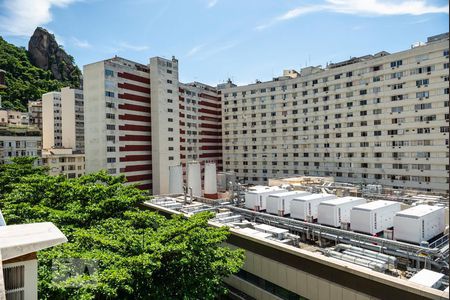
110 116
109 73
396 63
111 160
397 109
109 94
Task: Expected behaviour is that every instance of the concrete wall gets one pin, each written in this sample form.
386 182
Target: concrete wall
94 107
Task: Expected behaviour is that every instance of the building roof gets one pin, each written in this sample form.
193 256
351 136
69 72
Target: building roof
313 196
290 193
339 201
376 204
419 210
18 240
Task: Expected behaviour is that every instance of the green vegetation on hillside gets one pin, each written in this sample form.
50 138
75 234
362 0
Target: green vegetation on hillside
134 254
24 81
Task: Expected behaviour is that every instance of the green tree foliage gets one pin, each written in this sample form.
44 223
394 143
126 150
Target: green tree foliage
137 254
25 81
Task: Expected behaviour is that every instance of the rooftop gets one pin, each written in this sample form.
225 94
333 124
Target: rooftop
419 210
376 204
18 240
339 201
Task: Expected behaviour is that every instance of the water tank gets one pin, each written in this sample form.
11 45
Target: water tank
221 181
176 179
210 178
194 178
231 179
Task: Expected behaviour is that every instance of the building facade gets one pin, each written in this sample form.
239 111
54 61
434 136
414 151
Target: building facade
141 120
72 119
200 124
63 161
35 113
51 120
380 119
17 142
117 118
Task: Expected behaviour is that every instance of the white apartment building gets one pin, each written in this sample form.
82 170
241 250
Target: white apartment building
51 120
379 119
72 119
63 120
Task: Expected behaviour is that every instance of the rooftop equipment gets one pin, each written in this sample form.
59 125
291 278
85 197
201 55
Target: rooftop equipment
280 203
194 178
210 179
419 223
256 198
373 217
427 278
276 232
336 211
306 207
176 179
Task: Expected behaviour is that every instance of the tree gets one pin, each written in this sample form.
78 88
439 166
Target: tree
136 254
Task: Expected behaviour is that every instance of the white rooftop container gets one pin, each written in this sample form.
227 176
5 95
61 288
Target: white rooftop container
280 203
256 198
428 278
419 223
373 217
336 211
256 233
306 207
276 232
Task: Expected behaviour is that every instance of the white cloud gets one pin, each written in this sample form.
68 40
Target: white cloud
21 17
195 50
80 43
212 3
127 46
364 8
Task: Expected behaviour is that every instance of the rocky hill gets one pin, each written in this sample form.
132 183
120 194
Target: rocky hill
44 67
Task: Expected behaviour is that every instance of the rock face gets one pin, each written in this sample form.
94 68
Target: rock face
46 54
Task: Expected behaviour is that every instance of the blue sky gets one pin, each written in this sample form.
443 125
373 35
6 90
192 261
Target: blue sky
217 39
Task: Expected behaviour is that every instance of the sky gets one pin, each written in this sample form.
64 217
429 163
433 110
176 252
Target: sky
214 40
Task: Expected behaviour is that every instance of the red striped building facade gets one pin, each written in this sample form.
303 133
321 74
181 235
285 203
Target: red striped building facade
200 124
140 120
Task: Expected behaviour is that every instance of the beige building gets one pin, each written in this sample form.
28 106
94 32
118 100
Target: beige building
63 161
35 113
13 118
379 119
51 120
72 119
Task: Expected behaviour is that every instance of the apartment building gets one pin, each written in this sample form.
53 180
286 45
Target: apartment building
63 161
141 120
16 142
51 120
117 119
35 113
379 119
200 124
13 118
72 119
